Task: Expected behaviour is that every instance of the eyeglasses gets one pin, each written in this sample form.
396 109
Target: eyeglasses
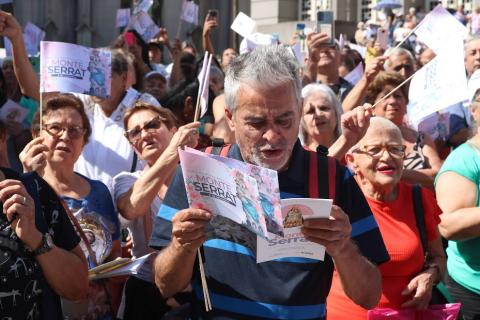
376 151
133 135
56 130
407 67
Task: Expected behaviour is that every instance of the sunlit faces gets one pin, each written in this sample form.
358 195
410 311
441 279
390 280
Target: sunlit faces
152 138
62 130
394 107
319 116
328 55
472 56
266 124
378 160
227 56
155 85
401 63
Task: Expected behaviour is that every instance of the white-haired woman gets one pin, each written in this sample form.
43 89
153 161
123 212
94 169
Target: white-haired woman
321 112
324 124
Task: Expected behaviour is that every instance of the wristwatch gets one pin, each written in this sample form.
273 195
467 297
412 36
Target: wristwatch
45 246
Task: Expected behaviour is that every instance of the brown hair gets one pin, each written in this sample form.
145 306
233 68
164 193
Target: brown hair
383 79
62 101
167 116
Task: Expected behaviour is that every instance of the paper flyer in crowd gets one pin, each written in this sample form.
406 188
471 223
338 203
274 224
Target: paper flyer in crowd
245 194
32 36
189 12
12 111
67 67
144 25
243 25
355 75
436 125
293 243
123 17
143 5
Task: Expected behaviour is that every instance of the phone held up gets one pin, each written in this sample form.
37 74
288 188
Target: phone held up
382 38
326 24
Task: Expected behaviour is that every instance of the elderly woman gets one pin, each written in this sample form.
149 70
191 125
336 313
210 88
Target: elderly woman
153 134
457 187
40 258
407 279
320 124
421 162
53 153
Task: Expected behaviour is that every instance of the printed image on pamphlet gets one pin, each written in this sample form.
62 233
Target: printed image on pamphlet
144 25
67 67
242 197
12 111
293 244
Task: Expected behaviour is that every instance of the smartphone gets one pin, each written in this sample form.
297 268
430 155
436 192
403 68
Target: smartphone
212 14
129 38
326 24
382 38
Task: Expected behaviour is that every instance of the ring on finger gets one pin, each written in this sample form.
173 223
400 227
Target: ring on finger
24 200
194 131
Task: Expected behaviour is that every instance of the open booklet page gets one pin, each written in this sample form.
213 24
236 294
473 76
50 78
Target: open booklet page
293 243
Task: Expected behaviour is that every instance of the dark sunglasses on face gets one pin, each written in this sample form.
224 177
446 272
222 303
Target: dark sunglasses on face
56 130
134 134
407 67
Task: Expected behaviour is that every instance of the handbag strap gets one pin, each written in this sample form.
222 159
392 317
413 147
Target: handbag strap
80 232
420 217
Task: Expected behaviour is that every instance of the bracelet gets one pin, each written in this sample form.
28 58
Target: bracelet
437 268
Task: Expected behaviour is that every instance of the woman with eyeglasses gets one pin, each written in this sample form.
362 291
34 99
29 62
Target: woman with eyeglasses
421 162
52 153
407 279
153 134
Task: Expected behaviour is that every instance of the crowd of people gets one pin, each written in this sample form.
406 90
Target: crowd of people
86 180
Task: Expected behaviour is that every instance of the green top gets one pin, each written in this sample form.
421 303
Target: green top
463 262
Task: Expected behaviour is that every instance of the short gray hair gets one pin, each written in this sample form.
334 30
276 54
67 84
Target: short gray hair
398 52
470 38
332 100
119 61
264 67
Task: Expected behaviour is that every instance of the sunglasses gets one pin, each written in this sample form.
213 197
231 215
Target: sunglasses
134 134
56 130
376 151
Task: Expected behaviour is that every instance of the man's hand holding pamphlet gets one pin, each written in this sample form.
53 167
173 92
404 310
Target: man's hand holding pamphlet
244 200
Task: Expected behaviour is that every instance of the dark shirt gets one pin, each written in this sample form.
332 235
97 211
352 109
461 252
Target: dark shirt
288 288
24 292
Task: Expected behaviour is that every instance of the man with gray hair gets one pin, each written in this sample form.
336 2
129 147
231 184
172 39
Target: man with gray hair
262 93
401 61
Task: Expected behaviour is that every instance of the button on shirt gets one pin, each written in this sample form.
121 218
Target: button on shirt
108 152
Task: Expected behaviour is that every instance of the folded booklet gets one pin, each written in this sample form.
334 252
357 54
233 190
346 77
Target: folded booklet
117 267
293 244
245 194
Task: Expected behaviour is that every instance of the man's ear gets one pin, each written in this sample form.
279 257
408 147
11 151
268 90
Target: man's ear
229 118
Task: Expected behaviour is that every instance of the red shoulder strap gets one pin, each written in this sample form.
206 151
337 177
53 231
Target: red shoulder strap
225 150
221 151
313 176
208 150
313 181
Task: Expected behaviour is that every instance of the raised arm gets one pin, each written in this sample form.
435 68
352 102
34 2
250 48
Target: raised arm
209 24
65 271
354 125
136 201
356 96
27 79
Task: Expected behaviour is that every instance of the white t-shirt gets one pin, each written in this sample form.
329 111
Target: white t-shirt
108 152
121 184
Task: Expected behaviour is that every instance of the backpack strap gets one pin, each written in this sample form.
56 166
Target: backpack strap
219 150
322 166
